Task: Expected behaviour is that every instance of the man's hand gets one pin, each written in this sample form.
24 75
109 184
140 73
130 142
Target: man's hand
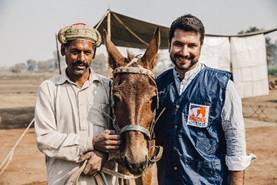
236 177
94 164
107 141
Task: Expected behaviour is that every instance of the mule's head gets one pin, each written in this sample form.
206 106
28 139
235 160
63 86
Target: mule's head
135 101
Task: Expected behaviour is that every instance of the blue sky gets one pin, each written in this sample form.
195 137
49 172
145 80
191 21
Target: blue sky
27 27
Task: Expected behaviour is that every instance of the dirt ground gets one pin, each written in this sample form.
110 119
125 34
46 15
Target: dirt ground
262 107
27 166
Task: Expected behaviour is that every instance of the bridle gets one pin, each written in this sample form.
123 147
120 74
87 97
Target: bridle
149 134
154 151
141 71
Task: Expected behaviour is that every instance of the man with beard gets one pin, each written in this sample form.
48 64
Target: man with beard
201 124
72 111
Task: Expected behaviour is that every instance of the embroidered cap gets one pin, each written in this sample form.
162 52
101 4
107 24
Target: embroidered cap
77 31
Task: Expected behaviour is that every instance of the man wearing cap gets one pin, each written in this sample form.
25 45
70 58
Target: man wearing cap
72 111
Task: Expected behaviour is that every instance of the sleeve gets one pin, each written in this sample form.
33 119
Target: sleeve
234 130
50 141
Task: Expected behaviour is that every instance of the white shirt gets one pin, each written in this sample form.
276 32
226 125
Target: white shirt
233 123
66 120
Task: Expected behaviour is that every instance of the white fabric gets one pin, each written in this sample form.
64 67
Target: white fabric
216 53
232 124
248 55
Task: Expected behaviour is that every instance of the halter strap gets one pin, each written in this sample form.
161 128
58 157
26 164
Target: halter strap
128 69
136 128
134 70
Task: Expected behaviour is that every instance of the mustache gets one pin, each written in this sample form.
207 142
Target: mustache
183 57
80 63
176 56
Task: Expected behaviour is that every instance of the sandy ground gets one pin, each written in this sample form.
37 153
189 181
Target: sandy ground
27 166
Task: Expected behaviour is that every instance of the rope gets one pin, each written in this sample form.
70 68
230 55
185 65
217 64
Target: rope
101 180
244 34
5 163
130 31
73 179
119 175
101 20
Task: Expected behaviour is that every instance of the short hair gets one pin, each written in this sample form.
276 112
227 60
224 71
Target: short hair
187 23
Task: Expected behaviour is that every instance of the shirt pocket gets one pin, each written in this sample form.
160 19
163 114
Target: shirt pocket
99 117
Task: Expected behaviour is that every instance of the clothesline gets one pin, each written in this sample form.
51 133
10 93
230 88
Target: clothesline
244 34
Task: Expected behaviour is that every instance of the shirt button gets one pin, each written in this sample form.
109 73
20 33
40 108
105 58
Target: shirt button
175 168
175 126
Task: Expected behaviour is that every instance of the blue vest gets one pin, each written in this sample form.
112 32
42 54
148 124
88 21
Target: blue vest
190 129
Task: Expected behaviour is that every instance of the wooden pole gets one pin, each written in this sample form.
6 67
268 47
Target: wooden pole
110 70
58 55
109 24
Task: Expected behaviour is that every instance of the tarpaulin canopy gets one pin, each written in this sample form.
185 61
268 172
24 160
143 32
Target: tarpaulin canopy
130 32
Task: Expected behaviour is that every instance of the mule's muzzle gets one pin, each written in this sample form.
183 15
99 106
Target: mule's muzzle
135 169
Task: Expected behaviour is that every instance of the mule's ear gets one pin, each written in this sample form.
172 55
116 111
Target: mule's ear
149 57
115 57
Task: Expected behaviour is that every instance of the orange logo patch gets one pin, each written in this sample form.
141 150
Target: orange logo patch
198 115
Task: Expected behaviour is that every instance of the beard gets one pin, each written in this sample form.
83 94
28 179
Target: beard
183 63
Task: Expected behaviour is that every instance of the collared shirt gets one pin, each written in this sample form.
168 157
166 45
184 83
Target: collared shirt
233 123
66 119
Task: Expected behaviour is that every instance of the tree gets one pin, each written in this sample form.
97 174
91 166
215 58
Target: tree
18 68
31 65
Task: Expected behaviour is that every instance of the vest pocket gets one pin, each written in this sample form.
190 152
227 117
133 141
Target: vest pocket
205 144
202 172
210 171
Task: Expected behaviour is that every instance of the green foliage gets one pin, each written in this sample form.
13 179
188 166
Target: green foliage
272 72
250 30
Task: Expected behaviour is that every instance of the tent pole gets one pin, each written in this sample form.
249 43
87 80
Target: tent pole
109 25
110 70
102 19
58 54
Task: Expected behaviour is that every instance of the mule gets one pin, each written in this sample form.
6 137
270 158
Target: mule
135 102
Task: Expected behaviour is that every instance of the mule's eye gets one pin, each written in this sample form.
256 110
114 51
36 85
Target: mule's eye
116 98
154 102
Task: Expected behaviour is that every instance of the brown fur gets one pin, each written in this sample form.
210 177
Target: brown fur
133 96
